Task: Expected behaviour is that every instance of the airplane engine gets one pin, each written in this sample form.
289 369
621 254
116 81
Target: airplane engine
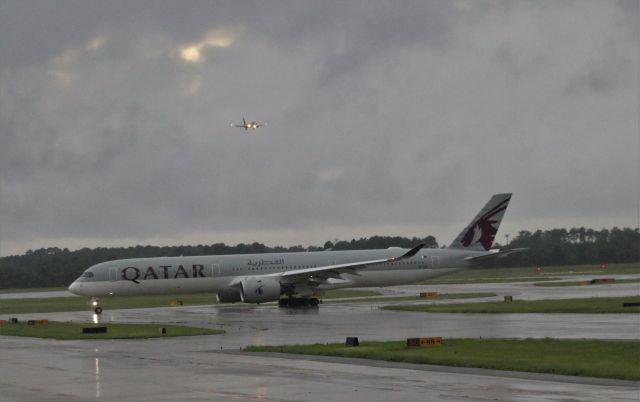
260 290
228 296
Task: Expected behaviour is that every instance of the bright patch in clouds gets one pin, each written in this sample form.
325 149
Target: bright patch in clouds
218 38
95 43
73 54
191 54
61 64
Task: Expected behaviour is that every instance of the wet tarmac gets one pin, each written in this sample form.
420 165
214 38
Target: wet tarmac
187 369
213 368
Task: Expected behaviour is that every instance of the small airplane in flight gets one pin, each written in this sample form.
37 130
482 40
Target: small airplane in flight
298 278
252 125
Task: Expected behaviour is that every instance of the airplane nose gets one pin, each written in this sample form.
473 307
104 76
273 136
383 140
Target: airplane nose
75 288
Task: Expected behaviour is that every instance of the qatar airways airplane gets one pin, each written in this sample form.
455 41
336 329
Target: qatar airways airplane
293 279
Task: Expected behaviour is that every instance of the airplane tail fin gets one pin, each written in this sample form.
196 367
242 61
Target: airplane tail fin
480 233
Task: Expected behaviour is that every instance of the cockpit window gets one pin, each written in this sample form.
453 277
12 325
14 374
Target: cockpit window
87 274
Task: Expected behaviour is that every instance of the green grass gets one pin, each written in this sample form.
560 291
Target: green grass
68 330
31 290
612 359
442 296
467 278
59 304
530 274
599 305
583 283
347 293
55 304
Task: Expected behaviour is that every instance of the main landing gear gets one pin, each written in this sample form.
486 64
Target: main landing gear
299 302
95 302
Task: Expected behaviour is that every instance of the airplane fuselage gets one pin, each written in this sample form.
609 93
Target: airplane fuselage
220 273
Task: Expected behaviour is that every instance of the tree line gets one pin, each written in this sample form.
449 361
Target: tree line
574 247
48 267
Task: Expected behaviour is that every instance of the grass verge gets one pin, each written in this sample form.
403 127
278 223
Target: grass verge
345 293
31 290
70 330
598 305
606 359
531 274
583 283
58 304
442 296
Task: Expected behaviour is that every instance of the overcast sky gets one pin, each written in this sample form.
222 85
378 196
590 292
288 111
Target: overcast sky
383 117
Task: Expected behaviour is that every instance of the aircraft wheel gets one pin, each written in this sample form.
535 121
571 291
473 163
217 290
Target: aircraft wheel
98 310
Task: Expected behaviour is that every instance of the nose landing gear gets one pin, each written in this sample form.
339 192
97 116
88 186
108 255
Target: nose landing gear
95 302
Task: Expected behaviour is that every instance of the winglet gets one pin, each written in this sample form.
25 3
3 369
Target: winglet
409 253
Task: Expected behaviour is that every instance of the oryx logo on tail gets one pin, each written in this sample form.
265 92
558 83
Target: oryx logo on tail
481 232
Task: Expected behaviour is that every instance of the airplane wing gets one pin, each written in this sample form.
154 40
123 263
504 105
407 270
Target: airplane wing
334 271
495 255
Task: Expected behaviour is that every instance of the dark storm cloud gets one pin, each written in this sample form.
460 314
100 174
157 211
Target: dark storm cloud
114 116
